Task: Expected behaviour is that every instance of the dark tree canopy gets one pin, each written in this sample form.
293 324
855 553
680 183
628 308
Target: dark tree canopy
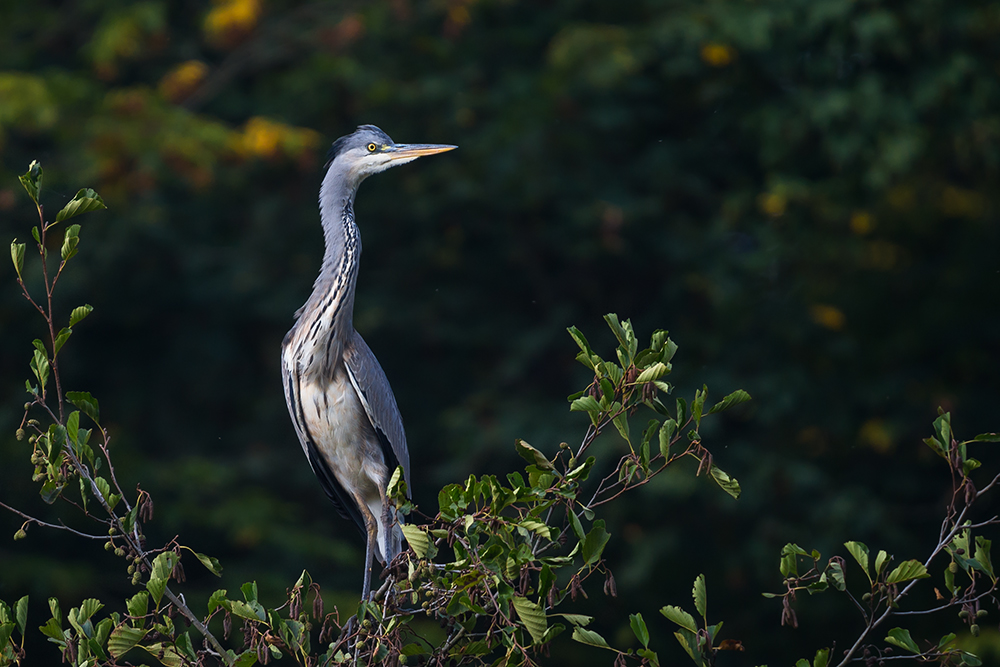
803 192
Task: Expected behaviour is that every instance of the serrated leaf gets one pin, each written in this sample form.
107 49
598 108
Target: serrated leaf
137 606
639 629
735 398
593 545
901 637
580 339
21 614
84 201
40 367
585 404
418 540
589 637
907 571
698 405
621 423
88 404
578 619
61 339
532 616
537 527
79 313
880 561
835 575
32 180
211 563
532 455
17 256
123 639
860 553
680 617
654 372
727 483
71 239
983 555
700 596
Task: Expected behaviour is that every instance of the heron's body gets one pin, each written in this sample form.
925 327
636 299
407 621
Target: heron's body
341 405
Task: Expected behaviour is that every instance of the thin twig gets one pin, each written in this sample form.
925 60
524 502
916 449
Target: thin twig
59 526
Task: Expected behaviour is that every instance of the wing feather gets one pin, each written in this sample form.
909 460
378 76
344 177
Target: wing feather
370 382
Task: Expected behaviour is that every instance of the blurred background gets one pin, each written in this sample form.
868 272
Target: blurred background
802 192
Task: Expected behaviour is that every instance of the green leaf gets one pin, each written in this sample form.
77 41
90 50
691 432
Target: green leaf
40 367
680 617
88 404
835 575
577 619
17 256
61 339
537 527
907 571
210 562
654 372
621 423
103 486
216 600
71 239
123 639
532 455
698 405
822 658
84 201
735 398
700 596
681 412
983 437
32 180
574 522
639 629
585 404
880 561
901 637
860 553
983 556
593 545
589 637
580 339
418 540
666 436
137 606
689 641
727 483
533 617
21 614
79 313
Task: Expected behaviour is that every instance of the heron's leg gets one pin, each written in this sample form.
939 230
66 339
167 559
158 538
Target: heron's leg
370 537
392 546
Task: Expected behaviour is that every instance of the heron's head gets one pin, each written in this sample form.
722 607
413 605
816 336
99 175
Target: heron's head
369 150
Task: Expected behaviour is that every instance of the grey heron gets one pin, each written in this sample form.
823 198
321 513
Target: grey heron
341 405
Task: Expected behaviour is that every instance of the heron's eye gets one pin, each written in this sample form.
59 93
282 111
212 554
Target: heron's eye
371 148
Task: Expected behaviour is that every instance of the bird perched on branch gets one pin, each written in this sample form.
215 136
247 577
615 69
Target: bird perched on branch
340 401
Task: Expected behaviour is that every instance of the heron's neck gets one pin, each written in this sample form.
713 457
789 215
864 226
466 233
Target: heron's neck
330 308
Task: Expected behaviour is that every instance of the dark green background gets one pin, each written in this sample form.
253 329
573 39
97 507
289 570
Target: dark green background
691 165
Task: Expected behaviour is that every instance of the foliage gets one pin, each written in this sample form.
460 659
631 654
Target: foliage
497 566
803 189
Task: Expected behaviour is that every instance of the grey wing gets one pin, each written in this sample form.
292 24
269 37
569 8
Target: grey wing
372 386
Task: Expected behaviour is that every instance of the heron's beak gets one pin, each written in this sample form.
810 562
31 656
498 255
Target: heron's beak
413 151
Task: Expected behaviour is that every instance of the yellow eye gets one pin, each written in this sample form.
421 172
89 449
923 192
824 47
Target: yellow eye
371 148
